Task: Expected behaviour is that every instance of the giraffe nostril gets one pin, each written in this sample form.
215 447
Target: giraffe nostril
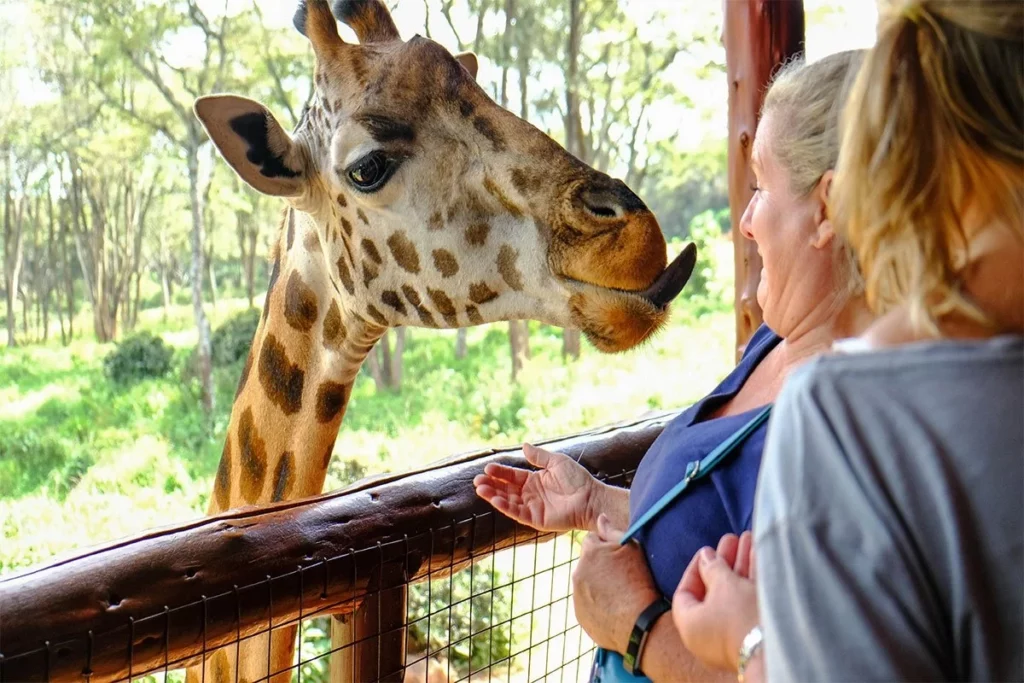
601 204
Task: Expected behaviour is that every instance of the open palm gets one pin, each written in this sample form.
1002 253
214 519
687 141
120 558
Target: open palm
556 497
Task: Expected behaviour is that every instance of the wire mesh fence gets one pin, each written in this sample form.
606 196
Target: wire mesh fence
473 612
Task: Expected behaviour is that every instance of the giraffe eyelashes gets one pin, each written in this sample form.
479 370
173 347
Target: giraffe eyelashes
370 173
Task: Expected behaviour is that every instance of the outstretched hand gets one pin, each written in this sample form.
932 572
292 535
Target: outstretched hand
557 496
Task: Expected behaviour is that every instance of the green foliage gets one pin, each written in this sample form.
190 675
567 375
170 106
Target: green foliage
138 357
232 340
705 229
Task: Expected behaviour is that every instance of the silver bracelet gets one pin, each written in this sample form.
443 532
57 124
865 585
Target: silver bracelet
752 642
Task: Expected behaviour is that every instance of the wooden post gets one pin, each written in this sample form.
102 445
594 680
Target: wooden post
369 644
759 36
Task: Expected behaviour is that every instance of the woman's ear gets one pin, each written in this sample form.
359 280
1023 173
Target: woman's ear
824 231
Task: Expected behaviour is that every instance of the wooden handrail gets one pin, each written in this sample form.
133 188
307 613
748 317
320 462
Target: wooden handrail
169 595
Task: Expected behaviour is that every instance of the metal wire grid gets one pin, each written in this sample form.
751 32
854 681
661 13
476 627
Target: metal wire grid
453 632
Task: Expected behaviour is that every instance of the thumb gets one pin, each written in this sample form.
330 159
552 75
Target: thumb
538 457
608 531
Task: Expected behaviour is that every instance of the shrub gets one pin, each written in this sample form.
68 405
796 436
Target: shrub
138 357
231 341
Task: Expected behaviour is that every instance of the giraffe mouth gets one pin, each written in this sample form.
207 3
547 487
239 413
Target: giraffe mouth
665 287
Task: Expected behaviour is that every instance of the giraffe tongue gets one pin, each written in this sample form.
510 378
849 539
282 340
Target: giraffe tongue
673 278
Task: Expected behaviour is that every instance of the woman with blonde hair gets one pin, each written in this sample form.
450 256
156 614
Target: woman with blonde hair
889 528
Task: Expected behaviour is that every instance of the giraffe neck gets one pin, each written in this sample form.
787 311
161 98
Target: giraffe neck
297 381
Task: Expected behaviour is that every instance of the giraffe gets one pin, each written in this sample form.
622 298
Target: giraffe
411 199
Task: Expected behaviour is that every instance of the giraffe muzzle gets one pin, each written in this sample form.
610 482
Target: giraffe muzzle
670 283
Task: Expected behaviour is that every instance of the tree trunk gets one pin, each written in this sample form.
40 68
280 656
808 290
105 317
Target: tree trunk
202 324
396 359
373 365
518 337
460 343
573 136
384 346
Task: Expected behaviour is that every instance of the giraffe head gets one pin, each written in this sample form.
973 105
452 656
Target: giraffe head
436 207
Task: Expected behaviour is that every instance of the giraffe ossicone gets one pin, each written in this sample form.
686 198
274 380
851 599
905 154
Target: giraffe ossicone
411 199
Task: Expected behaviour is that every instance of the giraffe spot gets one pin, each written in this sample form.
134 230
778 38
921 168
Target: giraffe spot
326 104
413 298
334 328
466 108
526 182
444 306
486 128
346 275
253 456
445 262
496 192
370 273
284 477
476 234
281 379
404 252
480 293
291 228
245 374
275 272
362 216
311 242
371 250
346 226
342 202
331 398
436 222
474 315
300 309
220 668
377 316
222 485
507 257
328 454
391 299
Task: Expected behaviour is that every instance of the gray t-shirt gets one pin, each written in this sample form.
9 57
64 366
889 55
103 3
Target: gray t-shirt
889 517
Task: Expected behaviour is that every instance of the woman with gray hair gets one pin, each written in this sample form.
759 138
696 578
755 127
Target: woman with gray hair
811 295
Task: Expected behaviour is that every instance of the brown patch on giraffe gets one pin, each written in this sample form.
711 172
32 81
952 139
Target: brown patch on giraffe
404 252
275 273
525 181
480 293
328 454
476 234
346 275
413 297
486 128
253 456
445 262
474 315
370 273
284 477
281 379
346 226
334 328
362 216
222 485
300 309
496 192
507 257
342 202
466 108
330 401
326 104
311 242
245 374
444 306
220 668
436 222
377 316
391 299
370 249
291 228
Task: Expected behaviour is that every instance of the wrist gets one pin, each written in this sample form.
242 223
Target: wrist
596 503
749 652
636 644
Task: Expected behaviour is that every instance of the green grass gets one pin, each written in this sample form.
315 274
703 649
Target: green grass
86 461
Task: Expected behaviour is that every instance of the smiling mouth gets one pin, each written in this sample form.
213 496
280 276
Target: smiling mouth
665 287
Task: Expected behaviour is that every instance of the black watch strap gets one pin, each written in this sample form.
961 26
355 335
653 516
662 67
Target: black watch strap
641 629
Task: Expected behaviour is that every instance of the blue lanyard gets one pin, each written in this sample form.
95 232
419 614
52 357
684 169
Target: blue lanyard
696 470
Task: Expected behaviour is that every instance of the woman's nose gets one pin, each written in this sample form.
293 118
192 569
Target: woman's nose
745 219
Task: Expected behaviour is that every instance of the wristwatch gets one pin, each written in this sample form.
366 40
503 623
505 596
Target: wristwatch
752 642
641 629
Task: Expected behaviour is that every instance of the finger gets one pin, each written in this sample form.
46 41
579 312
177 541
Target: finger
513 475
608 531
538 457
742 566
691 582
509 509
727 548
753 562
715 572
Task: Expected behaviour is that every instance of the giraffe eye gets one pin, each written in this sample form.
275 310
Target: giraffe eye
371 172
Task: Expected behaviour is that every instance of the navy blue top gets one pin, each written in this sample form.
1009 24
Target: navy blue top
715 505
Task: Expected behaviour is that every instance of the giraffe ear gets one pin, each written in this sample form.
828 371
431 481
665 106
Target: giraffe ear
253 143
468 62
